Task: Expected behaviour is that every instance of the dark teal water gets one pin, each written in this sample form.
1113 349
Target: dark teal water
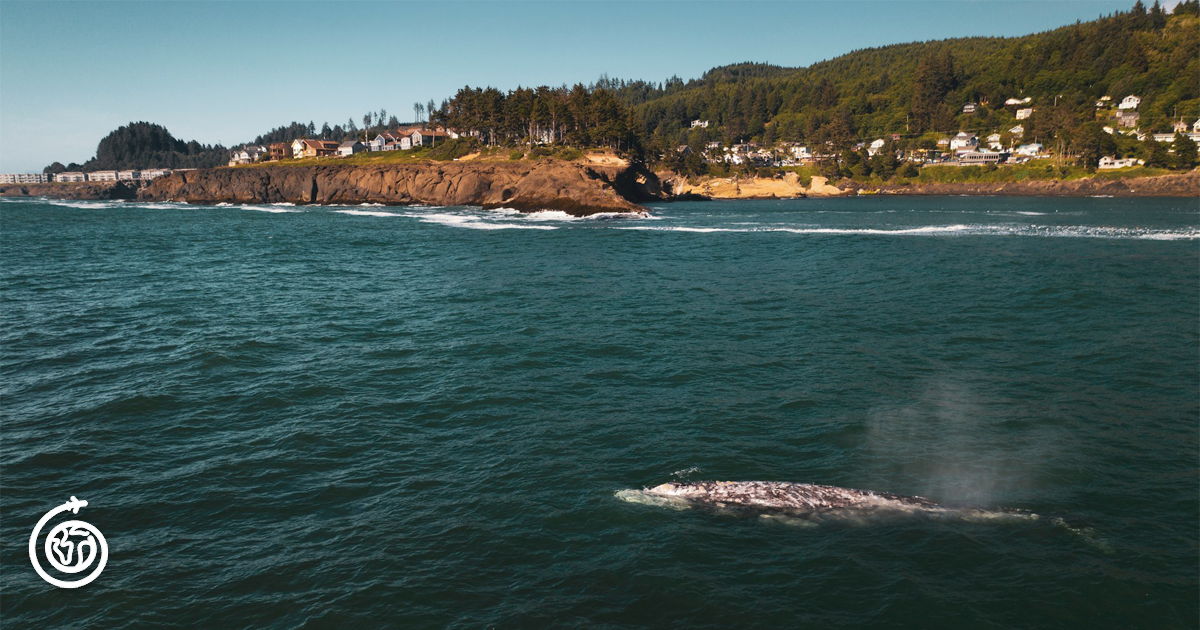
308 418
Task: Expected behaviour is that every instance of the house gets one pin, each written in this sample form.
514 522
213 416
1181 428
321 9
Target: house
280 151
246 155
1029 150
1128 119
801 153
424 137
313 148
23 178
943 142
994 141
964 142
151 173
1018 101
350 147
969 108
700 123
70 176
876 146
1130 102
971 158
1168 138
1017 131
1108 130
1196 126
1108 162
1179 126
102 176
128 176
1024 113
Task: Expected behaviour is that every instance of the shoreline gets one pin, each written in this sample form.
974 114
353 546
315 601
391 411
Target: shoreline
574 188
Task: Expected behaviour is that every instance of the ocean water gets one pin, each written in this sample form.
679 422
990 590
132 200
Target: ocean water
325 417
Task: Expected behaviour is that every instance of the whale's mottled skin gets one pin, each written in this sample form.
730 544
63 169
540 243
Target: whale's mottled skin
785 496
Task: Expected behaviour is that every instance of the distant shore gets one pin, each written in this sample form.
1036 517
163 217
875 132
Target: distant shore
579 189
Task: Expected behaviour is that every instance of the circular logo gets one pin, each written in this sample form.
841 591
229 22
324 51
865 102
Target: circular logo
71 547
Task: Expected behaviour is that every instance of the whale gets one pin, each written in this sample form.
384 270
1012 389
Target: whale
778 496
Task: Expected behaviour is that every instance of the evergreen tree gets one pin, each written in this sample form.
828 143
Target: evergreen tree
1185 157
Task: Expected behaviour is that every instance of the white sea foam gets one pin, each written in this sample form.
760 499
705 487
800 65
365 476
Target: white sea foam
369 213
959 230
473 222
274 208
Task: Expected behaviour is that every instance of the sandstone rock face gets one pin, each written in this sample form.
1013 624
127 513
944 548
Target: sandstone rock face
528 186
1171 185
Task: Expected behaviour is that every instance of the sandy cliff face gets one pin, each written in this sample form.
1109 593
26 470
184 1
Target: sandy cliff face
574 188
785 187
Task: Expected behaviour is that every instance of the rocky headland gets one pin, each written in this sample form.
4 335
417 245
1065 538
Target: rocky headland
74 190
578 189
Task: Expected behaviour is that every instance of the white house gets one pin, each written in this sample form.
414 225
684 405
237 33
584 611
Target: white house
969 108
994 141
1129 102
801 153
102 176
350 147
964 142
247 155
1018 101
1024 113
1169 138
1196 126
1179 126
876 146
23 178
424 137
700 123
71 176
128 176
1108 162
1017 131
1029 150
151 173
1108 130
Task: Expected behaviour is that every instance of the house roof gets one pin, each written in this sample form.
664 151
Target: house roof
349 143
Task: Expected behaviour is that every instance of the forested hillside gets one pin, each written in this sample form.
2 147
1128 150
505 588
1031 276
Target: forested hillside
146 145
914 88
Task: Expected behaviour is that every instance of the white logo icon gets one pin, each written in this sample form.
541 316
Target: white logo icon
66 554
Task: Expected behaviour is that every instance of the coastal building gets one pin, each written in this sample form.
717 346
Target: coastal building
1168 138
1130 102
128 176
1196 126
247 155
969 108
802 153
23 178
151 173
1104 101
963 142
1108 130
876 146
975 158
1128 119
1109 162
102 176
313 148
1018 101
350 147
700 123
1179 126
428 137
994 141
1029 150
71 176
1024 113
1017 131
280 151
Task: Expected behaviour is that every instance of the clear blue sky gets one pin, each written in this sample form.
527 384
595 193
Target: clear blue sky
224 72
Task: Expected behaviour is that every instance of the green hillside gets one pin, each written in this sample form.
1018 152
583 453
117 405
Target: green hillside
914 88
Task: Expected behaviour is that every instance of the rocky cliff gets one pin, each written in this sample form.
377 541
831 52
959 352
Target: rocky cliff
73 190
578 189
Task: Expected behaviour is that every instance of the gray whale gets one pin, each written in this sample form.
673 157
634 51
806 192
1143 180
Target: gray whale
778 496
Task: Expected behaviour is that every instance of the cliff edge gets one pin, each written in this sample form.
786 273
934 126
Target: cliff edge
578 189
